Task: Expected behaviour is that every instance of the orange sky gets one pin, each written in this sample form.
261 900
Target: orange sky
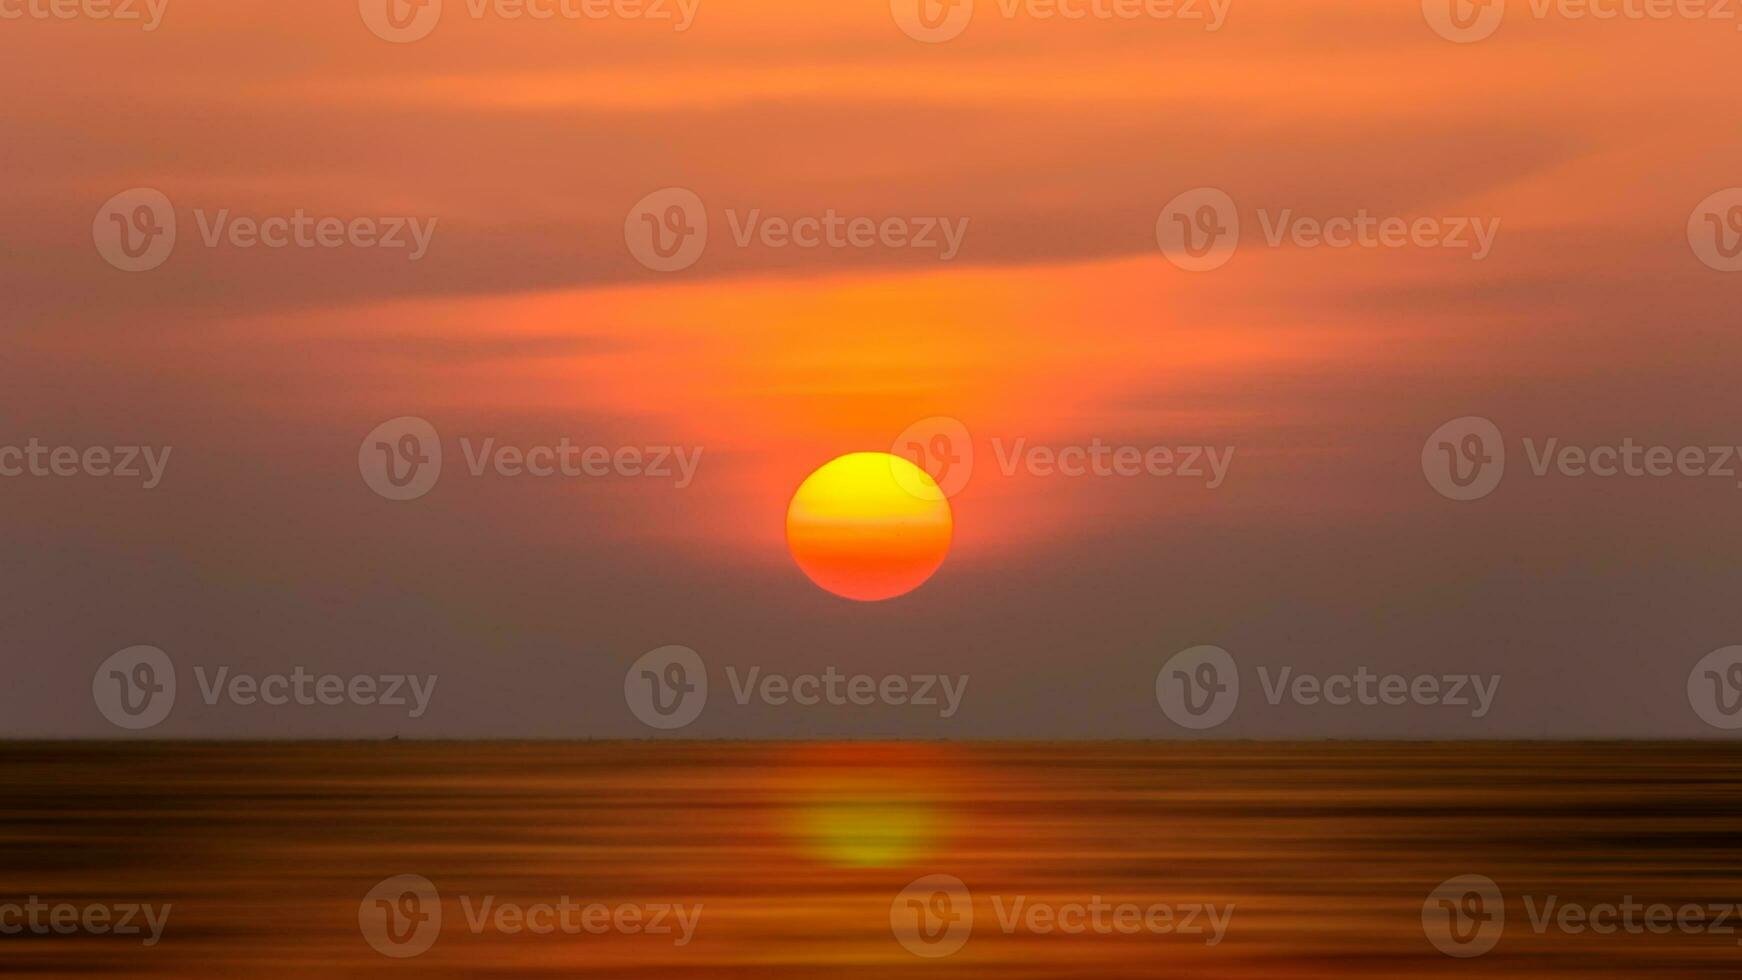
1060 322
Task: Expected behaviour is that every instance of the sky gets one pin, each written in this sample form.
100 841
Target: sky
1554 177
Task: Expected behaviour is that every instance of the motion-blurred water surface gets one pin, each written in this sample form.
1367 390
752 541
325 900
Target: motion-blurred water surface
675 859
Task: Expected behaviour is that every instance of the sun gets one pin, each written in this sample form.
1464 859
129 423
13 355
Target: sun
869 526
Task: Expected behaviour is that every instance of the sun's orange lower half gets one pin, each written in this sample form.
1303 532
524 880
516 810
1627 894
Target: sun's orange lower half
869 526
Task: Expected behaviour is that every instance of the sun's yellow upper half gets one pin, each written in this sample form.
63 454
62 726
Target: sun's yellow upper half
870 487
